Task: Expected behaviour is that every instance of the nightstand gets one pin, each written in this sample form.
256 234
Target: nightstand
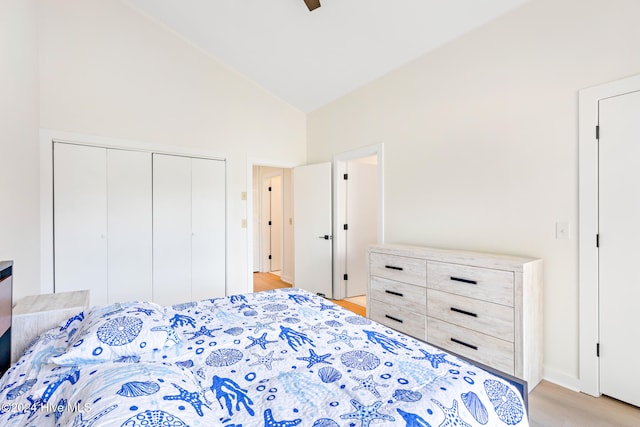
36 314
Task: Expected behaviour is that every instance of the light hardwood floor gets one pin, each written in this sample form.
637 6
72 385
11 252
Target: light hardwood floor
553 406
549 404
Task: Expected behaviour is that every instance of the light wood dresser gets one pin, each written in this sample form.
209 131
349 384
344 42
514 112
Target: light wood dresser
36 314
485 307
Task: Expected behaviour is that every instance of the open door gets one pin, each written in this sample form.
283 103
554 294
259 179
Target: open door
313 228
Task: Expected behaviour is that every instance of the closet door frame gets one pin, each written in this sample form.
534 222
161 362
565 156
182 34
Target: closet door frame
589 375
47 139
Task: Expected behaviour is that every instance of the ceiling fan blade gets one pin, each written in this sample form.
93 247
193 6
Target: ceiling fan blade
312 4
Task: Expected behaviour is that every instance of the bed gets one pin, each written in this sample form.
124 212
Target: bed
276 359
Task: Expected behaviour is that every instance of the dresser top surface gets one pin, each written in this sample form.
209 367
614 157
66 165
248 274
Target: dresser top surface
5 264
48 302
480 259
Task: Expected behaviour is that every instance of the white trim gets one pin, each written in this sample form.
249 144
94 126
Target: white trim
561 378
251 162
48 136
588 225
339 167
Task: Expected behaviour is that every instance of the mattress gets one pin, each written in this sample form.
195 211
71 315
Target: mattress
276 358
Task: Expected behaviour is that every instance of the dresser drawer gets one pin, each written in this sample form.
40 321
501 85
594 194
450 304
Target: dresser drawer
402 269
403 296
482 348
474 282
397 318
485 317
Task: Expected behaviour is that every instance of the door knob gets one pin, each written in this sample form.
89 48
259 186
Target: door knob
325 237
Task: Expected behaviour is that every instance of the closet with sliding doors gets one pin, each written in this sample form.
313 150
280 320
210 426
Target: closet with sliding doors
137 225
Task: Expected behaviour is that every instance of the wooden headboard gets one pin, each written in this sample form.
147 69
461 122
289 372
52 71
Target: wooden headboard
6 294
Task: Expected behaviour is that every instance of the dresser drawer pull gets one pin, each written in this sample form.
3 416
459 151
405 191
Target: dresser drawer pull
458 279
393 318
398 294
475 347
393 267
468 313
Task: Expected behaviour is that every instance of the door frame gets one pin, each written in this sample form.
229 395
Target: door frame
251 162
339 207
588 226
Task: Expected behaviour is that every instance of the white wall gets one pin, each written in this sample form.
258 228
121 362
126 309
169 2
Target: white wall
19 161
107 70
481 148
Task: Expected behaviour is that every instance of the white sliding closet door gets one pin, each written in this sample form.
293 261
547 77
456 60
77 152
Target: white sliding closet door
129 224
80 220
208 263
188 229
171 229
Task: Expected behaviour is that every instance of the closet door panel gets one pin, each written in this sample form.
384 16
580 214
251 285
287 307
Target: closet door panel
80 220
208 228
171 229
130 225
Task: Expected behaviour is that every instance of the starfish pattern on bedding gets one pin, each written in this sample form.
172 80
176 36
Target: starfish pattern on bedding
366 414
299 299
435 359
316 328
265 360
190 397
274 317
315 358
203 331
368 384
171 334
31 409
78 421
48 337
324 307
146 311
269 421
262 341
413 420
451 417
260 326
342 337
244 307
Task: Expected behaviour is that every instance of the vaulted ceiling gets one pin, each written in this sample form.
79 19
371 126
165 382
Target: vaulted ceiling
311 58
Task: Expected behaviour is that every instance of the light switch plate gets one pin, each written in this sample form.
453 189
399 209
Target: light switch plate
563 231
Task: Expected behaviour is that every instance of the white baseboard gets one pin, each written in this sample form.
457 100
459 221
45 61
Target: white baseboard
561 378
286 280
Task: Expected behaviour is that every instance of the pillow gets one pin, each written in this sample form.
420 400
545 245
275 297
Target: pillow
122 332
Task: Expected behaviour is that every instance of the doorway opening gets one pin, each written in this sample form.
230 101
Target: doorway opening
272 227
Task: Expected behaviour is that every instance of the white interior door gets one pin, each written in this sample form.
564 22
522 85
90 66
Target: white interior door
619 230
276 223
171 229
362 220
80 220
129 215
313 228
208 263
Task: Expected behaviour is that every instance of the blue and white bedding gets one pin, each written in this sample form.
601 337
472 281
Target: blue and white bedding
274 359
